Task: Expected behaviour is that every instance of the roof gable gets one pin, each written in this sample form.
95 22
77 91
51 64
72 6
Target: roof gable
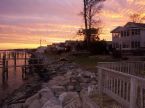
117 29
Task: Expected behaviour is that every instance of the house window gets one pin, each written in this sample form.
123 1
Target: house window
127 33
132 44
125 45
133 32
135 44
138 31
115 35
138 44
121 33
117 45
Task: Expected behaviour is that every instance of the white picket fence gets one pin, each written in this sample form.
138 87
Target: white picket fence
119 81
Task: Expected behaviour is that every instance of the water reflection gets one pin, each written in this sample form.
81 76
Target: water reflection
11 80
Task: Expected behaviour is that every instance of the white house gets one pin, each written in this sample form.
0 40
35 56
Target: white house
129 37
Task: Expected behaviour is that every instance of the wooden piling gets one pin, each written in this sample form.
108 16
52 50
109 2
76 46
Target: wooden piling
4 68
3 61
23 72
25 58
9 55
0 56
15 60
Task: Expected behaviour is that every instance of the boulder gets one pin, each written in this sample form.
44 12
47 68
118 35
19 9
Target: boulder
39 99
57 90
70 88
70 98
53 103
92 89
34 104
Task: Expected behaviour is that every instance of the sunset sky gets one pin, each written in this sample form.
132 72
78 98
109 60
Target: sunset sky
24 22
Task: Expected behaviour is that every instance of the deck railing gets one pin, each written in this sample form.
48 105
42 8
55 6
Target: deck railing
118 80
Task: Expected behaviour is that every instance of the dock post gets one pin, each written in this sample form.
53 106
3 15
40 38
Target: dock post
23 73
25 59
6 70
3 67
15 63
9 55
0 56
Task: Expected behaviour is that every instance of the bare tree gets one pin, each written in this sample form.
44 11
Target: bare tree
137 18
91 8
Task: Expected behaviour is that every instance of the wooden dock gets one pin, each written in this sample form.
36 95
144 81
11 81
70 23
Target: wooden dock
15 56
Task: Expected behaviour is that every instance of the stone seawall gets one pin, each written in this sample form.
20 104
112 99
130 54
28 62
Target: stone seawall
68 86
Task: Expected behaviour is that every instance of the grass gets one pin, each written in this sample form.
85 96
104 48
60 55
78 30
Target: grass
84 61
91 61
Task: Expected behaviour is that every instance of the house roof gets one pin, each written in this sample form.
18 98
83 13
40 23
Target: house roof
117 29
140 25
128 26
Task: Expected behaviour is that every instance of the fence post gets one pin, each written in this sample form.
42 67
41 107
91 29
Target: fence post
100 85
133 93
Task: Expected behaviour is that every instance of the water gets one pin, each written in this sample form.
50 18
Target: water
15 79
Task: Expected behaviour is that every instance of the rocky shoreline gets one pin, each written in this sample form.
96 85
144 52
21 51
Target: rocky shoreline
68 85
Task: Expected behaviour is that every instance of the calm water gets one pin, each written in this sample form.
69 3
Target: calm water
14 76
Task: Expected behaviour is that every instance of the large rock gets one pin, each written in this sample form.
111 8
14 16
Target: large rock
57 90
70 99
70 88
39 99
52 104
92 90
58 80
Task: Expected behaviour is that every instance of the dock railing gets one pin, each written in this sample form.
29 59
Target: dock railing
119 81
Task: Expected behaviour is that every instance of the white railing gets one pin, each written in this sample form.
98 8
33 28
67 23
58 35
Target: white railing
126 89
130 67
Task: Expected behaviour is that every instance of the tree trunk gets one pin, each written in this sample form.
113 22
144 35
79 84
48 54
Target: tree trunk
85 19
